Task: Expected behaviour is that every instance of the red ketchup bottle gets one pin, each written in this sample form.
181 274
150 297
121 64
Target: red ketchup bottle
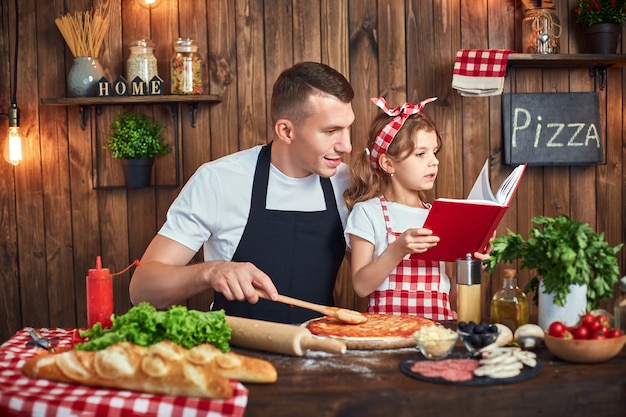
99 295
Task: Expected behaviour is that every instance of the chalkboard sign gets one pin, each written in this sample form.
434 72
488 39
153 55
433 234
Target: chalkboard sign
552 129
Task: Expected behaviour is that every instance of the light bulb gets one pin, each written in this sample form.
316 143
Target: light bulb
13 150
149 4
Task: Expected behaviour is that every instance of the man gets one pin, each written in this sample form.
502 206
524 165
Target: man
270 217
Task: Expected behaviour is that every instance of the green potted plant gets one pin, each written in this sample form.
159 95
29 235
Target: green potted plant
137 140
602 20
564 254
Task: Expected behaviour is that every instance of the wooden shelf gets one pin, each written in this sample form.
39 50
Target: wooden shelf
566 61
83 103
121 100
596 63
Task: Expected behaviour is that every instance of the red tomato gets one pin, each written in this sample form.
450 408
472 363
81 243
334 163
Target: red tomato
557 329
614 333
581 332
603 319
586 318
567 335
597 336
594 326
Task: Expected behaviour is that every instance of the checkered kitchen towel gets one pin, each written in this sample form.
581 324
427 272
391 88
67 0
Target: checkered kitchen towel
480 72
22 396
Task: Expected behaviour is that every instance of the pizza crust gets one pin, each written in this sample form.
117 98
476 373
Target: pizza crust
385 331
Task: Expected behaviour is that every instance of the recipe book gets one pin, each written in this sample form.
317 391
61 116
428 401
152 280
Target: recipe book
466 225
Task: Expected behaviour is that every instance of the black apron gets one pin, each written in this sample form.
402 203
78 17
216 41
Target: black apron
300 251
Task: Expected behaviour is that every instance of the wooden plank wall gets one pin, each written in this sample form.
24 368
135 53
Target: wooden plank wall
53 224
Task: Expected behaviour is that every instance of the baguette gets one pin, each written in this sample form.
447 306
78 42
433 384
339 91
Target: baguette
164 368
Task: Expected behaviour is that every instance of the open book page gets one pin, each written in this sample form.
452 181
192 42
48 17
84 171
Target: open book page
481 190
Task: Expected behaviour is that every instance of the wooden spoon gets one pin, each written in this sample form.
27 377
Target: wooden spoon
342 314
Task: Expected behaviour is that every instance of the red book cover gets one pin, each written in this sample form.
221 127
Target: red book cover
466 225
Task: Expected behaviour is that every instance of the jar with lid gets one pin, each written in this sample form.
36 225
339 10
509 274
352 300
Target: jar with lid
141 62
541 29
509 305
186 69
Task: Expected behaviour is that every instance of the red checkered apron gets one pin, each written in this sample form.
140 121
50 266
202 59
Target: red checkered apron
412 286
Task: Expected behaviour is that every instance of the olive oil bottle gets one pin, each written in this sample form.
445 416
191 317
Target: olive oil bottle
509 305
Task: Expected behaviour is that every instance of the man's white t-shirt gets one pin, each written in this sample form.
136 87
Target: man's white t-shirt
366 221
212 208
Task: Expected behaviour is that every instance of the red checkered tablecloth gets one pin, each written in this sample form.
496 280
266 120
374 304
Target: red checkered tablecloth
22 396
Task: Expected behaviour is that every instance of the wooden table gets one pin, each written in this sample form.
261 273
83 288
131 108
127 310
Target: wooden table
370 384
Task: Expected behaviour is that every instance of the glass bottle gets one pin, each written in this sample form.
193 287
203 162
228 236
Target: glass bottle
509 305
186 69
141 62
619 310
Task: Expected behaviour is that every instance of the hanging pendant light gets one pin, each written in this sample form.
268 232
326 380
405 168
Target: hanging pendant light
13 147
149 4
13 150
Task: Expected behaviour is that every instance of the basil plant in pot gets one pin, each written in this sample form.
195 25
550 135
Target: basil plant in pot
567 257
137 140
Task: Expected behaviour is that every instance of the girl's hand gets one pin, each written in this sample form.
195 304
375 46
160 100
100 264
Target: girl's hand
486 255
417 240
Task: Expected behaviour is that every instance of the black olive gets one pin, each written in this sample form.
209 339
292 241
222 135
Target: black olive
492 329
475 340
462 326
481 328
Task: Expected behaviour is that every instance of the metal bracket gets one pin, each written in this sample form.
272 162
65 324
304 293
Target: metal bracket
599 77
193 113
83 116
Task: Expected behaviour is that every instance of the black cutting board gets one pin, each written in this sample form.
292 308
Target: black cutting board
527 373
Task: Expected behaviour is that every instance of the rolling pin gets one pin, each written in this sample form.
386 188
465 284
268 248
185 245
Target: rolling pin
288 339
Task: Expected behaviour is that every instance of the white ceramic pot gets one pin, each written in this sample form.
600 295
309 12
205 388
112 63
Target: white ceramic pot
575 306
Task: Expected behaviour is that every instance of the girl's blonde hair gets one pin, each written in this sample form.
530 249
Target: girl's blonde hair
368 182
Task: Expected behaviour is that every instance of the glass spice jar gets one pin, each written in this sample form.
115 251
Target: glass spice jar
141 62
186 72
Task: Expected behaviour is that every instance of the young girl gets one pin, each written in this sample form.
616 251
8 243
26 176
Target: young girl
384 229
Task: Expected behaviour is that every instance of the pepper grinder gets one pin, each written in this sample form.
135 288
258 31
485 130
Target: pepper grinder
468 276
99 295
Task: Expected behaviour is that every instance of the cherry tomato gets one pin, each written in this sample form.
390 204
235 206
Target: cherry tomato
586 318
594 326
603 319
614 333
581 332
557 329
597 336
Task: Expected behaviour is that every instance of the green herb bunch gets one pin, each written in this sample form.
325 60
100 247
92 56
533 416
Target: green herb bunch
135 136
590 12
562 252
